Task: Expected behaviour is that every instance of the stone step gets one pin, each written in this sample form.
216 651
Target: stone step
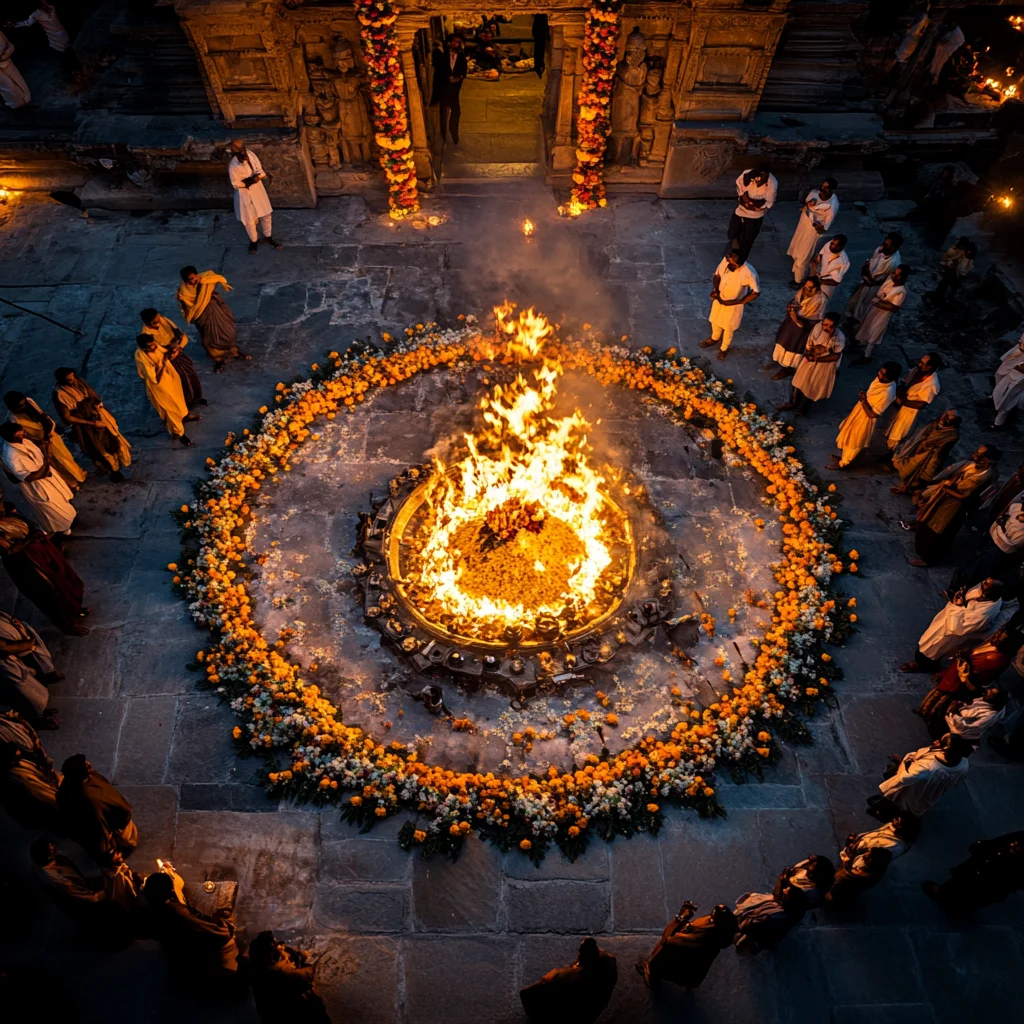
467 171
202 194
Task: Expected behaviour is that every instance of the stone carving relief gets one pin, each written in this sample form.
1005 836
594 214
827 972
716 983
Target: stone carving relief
649 98
630 77
336 116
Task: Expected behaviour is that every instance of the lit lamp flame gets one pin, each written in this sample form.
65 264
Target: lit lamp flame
571 209
1006 202
1016 21
528 227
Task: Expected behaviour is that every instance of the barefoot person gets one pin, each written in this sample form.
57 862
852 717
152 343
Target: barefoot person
816 375
252 204
735 284
45 496
816 215
803 312
202 305
856 431
95 429
756 189
831 265
919 457
163 387
688 947
888 299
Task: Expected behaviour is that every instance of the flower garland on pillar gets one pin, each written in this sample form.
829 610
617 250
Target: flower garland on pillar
600 48
390 109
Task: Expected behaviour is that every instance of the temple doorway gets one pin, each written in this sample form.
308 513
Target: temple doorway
502 98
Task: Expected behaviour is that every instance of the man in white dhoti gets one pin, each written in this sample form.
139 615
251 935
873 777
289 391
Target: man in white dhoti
831 264
13 89
921 778
46 497
26 669
816 216
1008 394
887 301
735 284
918 389
970 615
876 268
948 39
856 431
816 375
756 189
252 204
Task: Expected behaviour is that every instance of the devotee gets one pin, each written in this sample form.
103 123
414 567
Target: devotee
578 993
944 504
41 431
912 37
45 496
13 89
1001 550
28 782
761 922
831 264
803 312
202 305
993 870
40 571
252 204
956 263
816 373
874 271
888 299
896 837
856 431
688 947
95 814
1000 501
970 615
919 457
857 874
756 189
163 388
917 390
283 983
95 429
735 284
26 669
1008 393
450 70
920 779
169 336
816 215
803 886
974 720
949 38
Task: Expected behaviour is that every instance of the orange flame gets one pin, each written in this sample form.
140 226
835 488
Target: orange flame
528 227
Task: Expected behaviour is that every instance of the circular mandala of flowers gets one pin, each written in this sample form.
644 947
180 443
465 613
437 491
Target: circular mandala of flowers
311 754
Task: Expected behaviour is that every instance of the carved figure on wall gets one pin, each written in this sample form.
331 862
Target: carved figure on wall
356 130
630 76
649 106
323 141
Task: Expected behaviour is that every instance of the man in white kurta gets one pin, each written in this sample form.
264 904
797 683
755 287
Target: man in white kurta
924 775
252 204
920 388
856 431
973 614
972 721
1008 393
816 216
887 301
47 499
756 190
13 88
831 264
735 284
876 268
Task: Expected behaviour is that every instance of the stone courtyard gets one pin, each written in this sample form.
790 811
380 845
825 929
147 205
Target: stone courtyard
412 940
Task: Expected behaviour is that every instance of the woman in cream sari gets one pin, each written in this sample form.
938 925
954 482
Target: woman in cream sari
95 429
39 429
203 306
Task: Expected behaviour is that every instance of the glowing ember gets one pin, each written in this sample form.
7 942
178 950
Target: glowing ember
518 539
1017 22
1005 201
528 227
572 209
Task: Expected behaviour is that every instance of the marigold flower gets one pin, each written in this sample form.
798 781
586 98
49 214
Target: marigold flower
355 801
652 808
525 844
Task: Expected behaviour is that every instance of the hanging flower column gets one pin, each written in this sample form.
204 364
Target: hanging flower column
390 109
600 48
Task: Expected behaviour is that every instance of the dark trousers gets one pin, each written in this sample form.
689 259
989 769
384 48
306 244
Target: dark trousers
743 231
450 114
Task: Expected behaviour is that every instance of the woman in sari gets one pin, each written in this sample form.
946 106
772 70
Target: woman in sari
203 306
41 572
95 429
40 429
919 457
803 311
943 506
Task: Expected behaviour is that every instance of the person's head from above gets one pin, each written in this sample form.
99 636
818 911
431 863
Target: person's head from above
963 243
589 954
889 372
950 418
264 950
15 401
953 748
159 888
838 244
829 323
820 870
811 286
146 342
986 455
891 242
997 697
991 588
11 433
76 766
64 375
149 317
906 827
454 42
947 173
900 274
761 173
42 852
189 275
930 362
827 188
237 147
724 920
734 259
877 859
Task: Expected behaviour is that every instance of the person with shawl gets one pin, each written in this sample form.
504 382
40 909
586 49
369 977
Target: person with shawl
577 993
993 870
26 669
816 374
169 336
918 389
856 431
40 430
163 388
688 947
1008 393
943 506
973 721
857 874
252 204
920 456
95 429
831 265
803 312
45 495
95 814
28 782
887 300
819 209
874 271
202 305
896 837
40 571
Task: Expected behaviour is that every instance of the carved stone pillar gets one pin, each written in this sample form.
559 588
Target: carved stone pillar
567 35
406 28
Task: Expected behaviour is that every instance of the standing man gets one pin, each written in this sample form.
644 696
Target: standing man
920 387
888 299
12 86
95 429
816 216
201 304
163 387
816 374
876 268
856 431
450 70
921 779
831 264
169 336
920 457
994 869
252 204
1008 394
756 189
735 284
46 497
45 16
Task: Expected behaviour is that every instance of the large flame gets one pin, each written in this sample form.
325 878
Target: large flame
519 529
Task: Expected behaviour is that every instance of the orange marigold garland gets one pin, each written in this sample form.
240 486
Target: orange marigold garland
594 123
390 109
